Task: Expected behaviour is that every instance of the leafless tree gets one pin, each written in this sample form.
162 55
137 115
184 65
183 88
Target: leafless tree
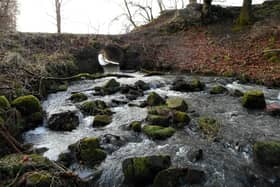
8 12
58 14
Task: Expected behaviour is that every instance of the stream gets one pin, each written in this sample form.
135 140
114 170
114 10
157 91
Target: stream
227 159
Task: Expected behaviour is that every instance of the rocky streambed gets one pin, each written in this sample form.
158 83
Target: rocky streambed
129 131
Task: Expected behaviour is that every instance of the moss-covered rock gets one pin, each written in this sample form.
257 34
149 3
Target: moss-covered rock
78 97
101 120
253 100
88 151
267 153
177 103
158 132
38 179
4 103
15 123
160 110
174 177
97 107
65 121
155 100
66 159
218 90
180 119
27 104
142 170
197 85
141 85
136 126
184 86
209 126
158 120
111 87
12 165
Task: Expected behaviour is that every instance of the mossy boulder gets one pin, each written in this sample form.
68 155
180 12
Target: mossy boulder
136 126
175 177
160 110
158 120
180 119
142 170
4 103
158 132
111 87
78 97
254 100
218 90
197 85
177 103
155 100
14 164
209 126
38 179
66 159
187 86
141 85
15 123
267 152
65 121
88 151
95 108
101 120
27 104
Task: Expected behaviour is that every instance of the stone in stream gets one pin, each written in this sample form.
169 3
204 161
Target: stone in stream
177 103
175 177
141 171
88 151
132 92
253 99
78 97
111 87
155 100
218 90
65 121
136 126
160 120
180 119
101 120
157 132
209 126
184 86
141 85
273 109
267 153
96 107
4 103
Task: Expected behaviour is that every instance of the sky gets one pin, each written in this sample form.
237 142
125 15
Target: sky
81 16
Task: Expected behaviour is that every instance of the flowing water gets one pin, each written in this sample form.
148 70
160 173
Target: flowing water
226 160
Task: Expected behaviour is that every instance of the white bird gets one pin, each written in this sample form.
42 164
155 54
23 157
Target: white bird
104 62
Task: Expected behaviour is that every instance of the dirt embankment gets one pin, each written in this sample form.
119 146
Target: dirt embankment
173 42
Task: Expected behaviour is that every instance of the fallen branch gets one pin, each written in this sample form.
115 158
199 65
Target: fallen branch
271 50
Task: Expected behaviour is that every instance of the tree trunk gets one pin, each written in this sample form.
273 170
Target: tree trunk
192 1
206 7
245 16
129 14
58 15
161 5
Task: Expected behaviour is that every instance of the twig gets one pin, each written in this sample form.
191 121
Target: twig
271 50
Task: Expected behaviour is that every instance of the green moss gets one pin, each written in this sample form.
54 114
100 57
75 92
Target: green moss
95 107
209 126
158 132
112 83
155 100
181 119
27 104
158 120
102 120
4 103
78 97
267 153
35 118
136 126
39 179
218 90
1 121
159 110
177 103
254 99
197 85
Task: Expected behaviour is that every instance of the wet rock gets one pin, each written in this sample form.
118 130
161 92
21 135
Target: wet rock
140 171
175 177
11 165
97 107
218 90
158 120
132 92
195 155
158 132
88 151
101 120
160 110
267 153
111 143
27 104
209 126
236 93
136 126
273 109
4 103
66 121
141 85
66 159
33 179
155 100
111 87
117 102
177 103
180 119
78 97
253 100
15 123
184 86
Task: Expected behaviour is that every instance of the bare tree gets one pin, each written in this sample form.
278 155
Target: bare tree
58 4
206 7
8 12
161 5
245 16
129 15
